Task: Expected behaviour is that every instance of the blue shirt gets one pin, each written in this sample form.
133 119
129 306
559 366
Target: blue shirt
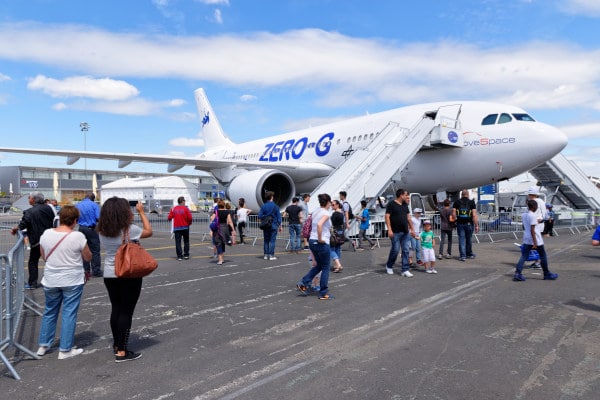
272 209
364 224
89 213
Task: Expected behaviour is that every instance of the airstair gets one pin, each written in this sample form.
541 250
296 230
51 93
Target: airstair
568 181
369 170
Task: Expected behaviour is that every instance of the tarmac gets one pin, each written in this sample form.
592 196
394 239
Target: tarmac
242 330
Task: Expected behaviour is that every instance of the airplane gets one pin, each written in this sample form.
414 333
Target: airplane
498 142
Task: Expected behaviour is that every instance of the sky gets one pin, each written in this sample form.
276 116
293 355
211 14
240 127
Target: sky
129 68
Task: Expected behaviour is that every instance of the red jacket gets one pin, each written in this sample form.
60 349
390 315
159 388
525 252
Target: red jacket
181 216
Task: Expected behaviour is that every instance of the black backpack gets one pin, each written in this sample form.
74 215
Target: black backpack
464 212
350 213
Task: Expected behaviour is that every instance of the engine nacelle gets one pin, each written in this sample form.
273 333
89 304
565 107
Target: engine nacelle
252 186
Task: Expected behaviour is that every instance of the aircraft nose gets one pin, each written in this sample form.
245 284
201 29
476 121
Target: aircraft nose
554 139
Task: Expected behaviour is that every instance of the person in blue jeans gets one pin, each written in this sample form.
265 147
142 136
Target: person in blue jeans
270 235
532 240
467 222
64 251
319 247
294 213
400 229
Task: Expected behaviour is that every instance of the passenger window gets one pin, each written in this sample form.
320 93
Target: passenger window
504 118
489 120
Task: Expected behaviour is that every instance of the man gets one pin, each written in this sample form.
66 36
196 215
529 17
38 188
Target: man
270 209
35 220
295 216
89 212
400 229
347 209
465 212
305 213
532 240
533 194
182 219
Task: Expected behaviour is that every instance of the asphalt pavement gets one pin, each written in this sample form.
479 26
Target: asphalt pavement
242 331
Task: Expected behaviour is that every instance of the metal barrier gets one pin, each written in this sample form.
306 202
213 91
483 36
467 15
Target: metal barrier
13 299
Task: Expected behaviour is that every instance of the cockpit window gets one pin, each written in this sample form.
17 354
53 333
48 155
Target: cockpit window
504 118
523 117
489 120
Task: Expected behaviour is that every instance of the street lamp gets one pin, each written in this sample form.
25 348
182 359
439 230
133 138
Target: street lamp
84 128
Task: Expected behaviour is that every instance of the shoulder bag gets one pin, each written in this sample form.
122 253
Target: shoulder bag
132 260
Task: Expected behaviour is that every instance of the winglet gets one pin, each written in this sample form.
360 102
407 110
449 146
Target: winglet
211 129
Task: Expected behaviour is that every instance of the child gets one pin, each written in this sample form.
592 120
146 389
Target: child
427 245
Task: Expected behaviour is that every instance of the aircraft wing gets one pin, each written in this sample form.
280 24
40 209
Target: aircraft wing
174 162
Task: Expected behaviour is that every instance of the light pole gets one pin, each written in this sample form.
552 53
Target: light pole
84 128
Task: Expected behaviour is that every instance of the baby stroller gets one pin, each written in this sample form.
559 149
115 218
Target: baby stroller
532 256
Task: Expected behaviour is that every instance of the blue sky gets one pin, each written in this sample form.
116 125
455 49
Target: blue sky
129 68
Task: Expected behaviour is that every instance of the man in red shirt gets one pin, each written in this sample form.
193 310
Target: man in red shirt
182 219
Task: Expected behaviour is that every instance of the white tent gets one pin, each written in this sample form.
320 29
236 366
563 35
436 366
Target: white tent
154 192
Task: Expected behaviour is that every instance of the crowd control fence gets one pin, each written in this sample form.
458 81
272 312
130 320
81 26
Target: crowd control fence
13 299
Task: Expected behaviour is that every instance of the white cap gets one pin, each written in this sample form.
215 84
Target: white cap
427 222
533 190
417 210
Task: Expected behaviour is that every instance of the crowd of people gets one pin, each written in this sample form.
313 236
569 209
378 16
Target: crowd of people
70 243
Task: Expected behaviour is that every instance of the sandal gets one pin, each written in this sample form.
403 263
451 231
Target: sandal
338 269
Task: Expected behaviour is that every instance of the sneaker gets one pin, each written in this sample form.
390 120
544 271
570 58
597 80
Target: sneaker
407 274
429 271
440 256
419 262
98 274
30 287
272 258
303 289
472 256
42 350
390 271
219 262
536 265
433 271
68 354
448 256
373 246
179 259
129 356
315 288
266 257
186 257
518 278
462 259
360 249
326 297
550 276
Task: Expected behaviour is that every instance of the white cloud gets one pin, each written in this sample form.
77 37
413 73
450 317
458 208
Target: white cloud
4 78
218 17
187 142
214 2
546 75
247 98
84 86
591 130
589 8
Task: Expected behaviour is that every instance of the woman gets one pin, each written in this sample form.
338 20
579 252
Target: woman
337 221
447 227
221 236
64 251
319 246
115 220
242 217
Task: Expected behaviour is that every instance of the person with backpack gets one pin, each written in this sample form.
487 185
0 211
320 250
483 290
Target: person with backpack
465 212
364 219
270 212
347 210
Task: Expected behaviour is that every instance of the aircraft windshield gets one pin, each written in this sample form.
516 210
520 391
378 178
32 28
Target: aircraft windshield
504 118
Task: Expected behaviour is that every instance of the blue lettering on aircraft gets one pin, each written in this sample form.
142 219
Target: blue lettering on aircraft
205 119
282 150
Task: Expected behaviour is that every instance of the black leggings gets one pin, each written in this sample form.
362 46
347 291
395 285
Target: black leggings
124 294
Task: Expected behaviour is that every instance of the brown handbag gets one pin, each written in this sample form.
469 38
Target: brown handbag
132 260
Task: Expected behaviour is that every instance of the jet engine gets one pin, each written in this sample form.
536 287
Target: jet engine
252 186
